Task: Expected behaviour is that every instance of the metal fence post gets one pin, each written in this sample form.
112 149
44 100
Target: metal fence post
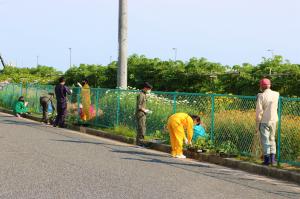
118 107
36 98
21 89
6 94
174 102
26 89
78 103
279 130
97 107
13 96
48 88
212 128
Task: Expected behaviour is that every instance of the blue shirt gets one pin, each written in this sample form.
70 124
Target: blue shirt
199 131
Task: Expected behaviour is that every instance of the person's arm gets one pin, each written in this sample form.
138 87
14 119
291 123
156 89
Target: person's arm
190 131
68 91
25 109
259 110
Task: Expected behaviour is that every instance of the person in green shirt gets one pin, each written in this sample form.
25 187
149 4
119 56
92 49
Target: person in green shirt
20 109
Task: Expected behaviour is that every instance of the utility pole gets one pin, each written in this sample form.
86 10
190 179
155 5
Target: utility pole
123 37
2 61
70 49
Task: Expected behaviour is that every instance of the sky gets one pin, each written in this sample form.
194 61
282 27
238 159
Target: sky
226 31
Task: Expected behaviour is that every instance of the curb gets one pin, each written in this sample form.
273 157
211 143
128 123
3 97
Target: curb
272 172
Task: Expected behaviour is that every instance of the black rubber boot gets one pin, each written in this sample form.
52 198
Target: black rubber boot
267 160
273 160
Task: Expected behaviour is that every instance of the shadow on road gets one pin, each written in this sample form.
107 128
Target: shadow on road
7 116
19 123
224 175
85 142
170 163
138 153
112 149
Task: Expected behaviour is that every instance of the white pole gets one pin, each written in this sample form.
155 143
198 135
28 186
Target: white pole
123 36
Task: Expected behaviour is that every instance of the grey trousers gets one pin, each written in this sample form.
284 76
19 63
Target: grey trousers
267 134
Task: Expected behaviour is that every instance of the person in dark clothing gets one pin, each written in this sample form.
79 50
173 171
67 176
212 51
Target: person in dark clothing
141 112
45 102
61 92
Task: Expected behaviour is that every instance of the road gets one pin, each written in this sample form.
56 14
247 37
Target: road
38 161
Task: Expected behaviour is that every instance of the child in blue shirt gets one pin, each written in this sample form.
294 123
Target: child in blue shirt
199 132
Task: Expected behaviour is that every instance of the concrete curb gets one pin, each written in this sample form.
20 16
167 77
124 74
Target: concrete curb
215 159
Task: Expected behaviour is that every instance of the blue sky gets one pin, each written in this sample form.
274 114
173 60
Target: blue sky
226 31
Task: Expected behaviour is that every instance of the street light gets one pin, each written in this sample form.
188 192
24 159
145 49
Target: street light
175 53
271 51
70 49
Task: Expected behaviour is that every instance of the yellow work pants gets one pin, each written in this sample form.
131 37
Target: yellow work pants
176 132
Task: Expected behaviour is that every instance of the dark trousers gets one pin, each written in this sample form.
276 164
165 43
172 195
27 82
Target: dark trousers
61 114
141 127
45 111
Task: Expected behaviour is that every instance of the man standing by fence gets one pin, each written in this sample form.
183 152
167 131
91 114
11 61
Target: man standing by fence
61 92
266 120
141 112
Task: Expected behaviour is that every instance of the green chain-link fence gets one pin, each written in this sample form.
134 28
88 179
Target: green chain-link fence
227 118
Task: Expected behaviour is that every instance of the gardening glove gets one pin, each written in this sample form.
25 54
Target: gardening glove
148 111
79 84
186 141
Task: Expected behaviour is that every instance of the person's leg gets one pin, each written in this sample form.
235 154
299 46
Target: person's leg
141 128
172 140
45 112
273 142
86 112
58 117
265 134
179 135
63 116
24 115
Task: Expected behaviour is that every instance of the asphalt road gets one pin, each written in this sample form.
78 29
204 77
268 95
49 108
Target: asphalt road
38 161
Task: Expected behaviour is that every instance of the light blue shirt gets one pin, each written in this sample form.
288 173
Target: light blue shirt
199 131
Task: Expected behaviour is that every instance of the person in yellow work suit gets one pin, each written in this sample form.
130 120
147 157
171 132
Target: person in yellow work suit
177 123
85 100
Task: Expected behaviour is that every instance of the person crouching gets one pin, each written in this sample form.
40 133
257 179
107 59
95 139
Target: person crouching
176 125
